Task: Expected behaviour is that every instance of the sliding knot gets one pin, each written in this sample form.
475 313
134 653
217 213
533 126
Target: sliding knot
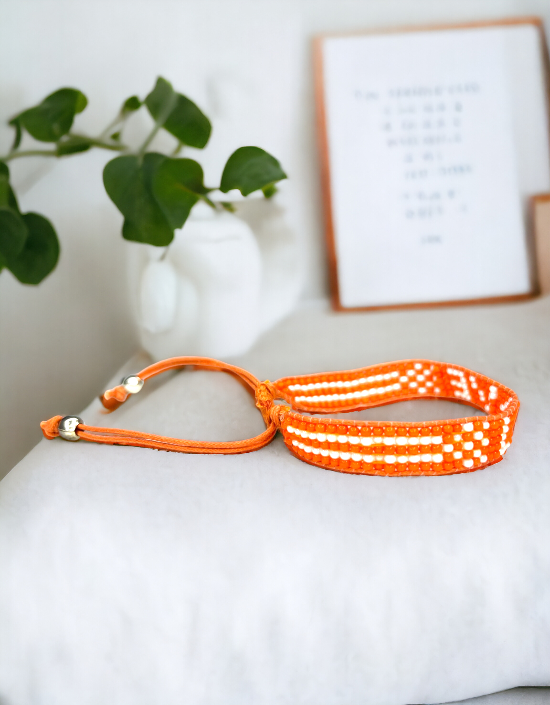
265 394
50 428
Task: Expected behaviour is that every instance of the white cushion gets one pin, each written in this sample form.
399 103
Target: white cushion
131 576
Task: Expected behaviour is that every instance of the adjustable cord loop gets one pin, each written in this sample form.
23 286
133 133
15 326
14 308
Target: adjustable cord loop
264 392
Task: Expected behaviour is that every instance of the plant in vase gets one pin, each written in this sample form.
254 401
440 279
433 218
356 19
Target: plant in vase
211 268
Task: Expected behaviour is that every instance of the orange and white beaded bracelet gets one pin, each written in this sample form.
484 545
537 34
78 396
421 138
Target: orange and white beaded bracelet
359 447
398 448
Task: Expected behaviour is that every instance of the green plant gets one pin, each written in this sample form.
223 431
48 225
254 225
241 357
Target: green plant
154 192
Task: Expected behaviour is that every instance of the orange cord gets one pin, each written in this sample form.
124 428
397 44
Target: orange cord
361 447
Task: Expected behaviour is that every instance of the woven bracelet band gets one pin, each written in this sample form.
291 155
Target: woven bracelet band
360 447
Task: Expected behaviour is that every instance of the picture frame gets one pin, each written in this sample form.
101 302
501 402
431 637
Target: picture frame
540 224
372 263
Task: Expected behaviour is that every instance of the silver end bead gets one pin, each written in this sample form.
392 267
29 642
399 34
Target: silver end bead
132 384
67 428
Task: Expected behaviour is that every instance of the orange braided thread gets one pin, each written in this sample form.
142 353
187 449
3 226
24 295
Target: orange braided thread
360 447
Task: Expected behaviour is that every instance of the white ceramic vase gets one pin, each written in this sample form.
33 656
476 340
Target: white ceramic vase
219 285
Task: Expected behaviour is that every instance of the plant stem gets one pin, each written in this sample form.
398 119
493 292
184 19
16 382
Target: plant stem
111 126
177 149
53 153
150 137
98 142
111 147
29 153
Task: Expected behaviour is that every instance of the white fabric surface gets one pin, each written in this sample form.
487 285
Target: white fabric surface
133 577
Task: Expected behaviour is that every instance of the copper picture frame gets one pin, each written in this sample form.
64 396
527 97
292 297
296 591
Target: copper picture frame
325 166
540 226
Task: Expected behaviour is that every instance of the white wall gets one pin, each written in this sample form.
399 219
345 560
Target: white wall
247 63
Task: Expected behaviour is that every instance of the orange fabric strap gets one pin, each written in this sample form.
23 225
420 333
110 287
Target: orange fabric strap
361 447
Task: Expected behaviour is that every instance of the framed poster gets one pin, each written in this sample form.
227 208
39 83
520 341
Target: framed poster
432 140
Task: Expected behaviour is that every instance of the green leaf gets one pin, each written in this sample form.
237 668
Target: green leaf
4 185
188 123
184 120
131 104
228 206
151 162
7 195
53 118
250 169
116 136
81 100
13 233
16 124
73 145
40 252
161 101
177 185
128 185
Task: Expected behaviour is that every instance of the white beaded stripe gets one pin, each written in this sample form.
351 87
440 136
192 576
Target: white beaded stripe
350 395
379 390
343 383
367 441
390 440
417 372
412 377
388 459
